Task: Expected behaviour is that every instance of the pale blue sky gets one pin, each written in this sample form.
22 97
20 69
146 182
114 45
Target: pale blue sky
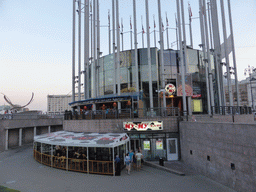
36 42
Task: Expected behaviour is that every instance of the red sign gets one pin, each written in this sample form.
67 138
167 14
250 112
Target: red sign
143 126
196 96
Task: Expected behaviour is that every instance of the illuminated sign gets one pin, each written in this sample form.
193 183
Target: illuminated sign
143 126
170 89
159 144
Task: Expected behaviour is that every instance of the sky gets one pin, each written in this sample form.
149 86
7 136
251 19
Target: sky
36 42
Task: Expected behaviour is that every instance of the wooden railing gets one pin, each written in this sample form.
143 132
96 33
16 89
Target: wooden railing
80 165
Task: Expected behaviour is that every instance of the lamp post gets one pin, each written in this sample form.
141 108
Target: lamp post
249 71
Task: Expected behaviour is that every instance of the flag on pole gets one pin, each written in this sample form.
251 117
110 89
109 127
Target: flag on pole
143 29
189 10
90 6
162 26
108 17
154 23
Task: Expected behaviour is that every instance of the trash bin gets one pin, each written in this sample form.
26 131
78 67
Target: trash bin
161 161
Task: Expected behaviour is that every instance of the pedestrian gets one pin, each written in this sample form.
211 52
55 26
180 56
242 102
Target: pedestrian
138 156
131 157
134 163
127 163
118 165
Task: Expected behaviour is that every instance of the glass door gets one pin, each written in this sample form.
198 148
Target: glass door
172 149
135 144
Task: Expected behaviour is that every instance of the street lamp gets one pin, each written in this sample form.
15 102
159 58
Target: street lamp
249 71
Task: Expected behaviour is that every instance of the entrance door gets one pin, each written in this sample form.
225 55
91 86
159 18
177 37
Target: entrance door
135 144
172 149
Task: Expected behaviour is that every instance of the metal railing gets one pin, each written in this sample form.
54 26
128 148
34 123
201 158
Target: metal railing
71 164
231 110
123 113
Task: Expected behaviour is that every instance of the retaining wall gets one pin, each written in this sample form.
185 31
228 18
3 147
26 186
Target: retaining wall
225 152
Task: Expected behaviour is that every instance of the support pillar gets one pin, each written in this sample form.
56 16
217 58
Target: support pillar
49 129
34 131
20 136
6 139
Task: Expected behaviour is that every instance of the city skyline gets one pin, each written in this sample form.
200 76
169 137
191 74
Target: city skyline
36 40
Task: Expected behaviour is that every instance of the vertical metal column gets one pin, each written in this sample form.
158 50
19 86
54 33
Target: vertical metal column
49 129
182 61
79 51
190 26
161 54
109 33
230 93
205 63
234 53
98 49
208 56
88 169
114 162
67 159
135 47
93 66
114 44
118 53
34 131
51 155
74 51
149 58
86 49
217 51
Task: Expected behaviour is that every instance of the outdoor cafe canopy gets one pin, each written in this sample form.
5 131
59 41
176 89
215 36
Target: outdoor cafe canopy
75 139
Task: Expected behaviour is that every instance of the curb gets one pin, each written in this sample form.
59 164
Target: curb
164 168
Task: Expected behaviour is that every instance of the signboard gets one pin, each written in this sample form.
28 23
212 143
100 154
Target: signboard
159 144
146 145
197 105
143 126
170 89
188 85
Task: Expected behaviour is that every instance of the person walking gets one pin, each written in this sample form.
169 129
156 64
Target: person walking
118 165
138 156
131 154
127 163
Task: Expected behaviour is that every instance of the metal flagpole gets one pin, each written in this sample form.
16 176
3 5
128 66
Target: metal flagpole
149 58
131 30
109 33
79 51
142 33
190 26
135 48
177 36
122 34
189 110
86 49
73 52
154 30
226 54
93 78
201 12
118 52
217 52
208 55
167 29
234 54
114 44
210 27
98 47
182 61
161 54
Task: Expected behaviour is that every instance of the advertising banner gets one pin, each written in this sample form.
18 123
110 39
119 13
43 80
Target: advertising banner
159 144
146 145
143 126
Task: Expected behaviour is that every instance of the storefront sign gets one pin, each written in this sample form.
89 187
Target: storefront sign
146 145
143 126
170 89
159 144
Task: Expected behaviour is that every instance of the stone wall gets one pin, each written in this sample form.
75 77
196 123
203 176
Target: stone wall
114 125
225 152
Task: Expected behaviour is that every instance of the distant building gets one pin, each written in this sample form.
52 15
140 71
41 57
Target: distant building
58 103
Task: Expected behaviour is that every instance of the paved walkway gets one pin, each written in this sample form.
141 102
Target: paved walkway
18 170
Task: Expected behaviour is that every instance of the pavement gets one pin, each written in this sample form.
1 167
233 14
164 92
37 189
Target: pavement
19 170
175 167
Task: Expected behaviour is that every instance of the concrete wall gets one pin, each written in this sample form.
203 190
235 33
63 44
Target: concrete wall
27 126
225 152
114 125
247 118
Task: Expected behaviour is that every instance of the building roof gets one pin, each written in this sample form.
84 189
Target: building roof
65 138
